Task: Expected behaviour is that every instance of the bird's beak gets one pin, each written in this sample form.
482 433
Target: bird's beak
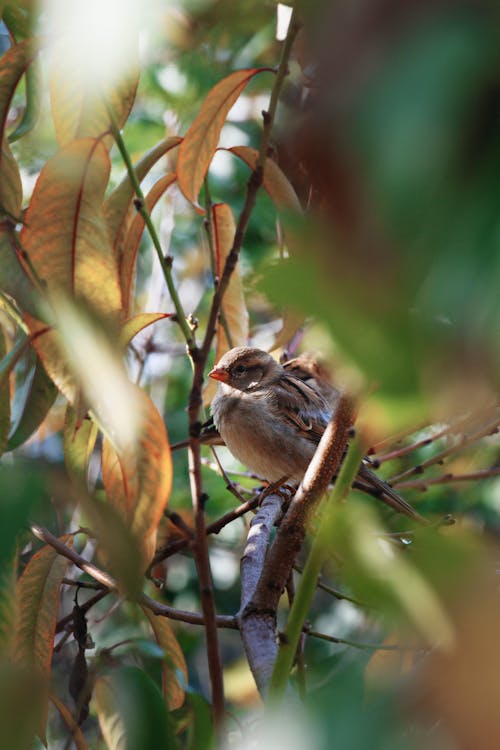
218 373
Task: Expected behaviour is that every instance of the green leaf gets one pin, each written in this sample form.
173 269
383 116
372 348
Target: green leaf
13 278
131 712
20 706
39 394
4 399
78 443
10 360
201 732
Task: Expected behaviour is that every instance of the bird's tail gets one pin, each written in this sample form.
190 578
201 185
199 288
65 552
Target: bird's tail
387 494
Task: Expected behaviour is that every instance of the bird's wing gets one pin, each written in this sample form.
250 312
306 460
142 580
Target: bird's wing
302 406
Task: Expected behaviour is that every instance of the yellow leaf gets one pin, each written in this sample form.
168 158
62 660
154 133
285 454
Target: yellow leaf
134 234
275 181
173 691
201 140
38 603
47 344
65 234
80 111
109 714
138 323
234 311
138 478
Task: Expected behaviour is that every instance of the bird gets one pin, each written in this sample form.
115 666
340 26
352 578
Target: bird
271 417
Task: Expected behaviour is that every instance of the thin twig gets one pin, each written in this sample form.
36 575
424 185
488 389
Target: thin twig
423 484
99 575
489 429
365 646
332 591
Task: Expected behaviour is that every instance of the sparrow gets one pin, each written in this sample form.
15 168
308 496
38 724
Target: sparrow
272 416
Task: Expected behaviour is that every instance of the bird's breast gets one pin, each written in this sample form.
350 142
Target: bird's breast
259 438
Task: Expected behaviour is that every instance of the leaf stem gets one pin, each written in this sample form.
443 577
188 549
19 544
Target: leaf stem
165 262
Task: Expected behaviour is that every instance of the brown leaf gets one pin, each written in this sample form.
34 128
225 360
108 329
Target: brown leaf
234 311
11 189
134 234
173 691
201 140
65 234
13 65
275 181
81 112
38 602
138 478
69 720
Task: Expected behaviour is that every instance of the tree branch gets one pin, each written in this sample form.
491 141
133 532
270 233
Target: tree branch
258 615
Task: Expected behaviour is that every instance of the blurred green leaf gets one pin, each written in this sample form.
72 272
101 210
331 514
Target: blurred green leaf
20 706
4 399
39 394
200 732
131 712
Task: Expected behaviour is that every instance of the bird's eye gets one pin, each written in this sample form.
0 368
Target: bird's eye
239 369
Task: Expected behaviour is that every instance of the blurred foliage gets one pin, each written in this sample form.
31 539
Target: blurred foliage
387 130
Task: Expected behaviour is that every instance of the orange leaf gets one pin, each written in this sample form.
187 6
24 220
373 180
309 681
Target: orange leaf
69 720
234 310
138 323
38 602
200 142
138 479
80 111
173 691
119 204
65 233
275 181
13 65
134 234
11 189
